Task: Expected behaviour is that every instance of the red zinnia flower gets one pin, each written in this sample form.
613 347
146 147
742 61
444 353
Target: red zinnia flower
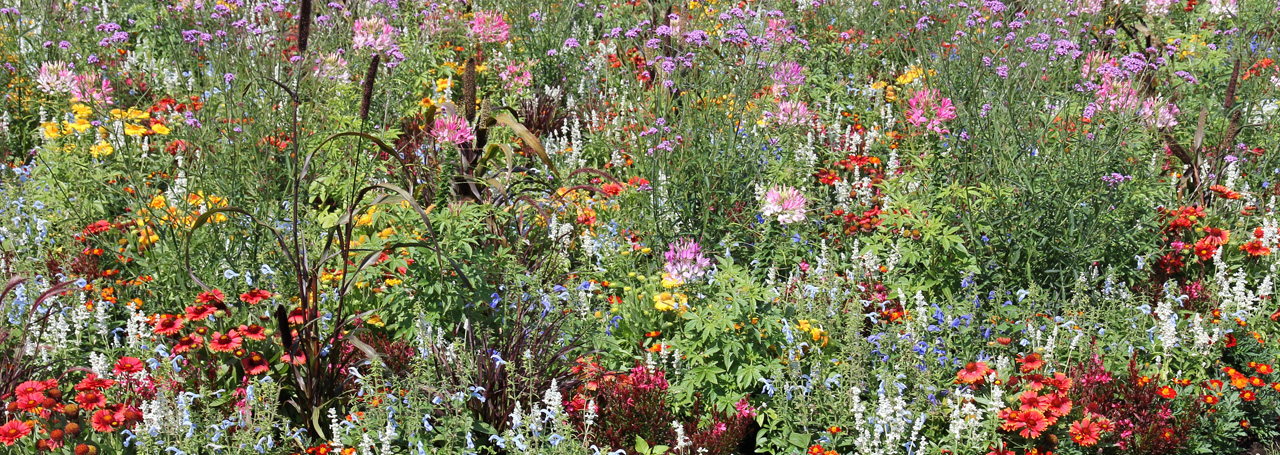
224 343
254 364
128 365
106 420
13 431
255 296
612 189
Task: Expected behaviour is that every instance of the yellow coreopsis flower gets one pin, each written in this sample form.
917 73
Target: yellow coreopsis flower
101 149
160 129
80 126
81 111
134 130
51 130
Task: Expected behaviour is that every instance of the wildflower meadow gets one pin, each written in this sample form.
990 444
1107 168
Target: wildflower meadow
639 227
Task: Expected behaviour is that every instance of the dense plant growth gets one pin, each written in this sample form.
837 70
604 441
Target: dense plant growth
817 227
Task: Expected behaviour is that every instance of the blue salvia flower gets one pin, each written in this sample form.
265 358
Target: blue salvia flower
502 443
555 439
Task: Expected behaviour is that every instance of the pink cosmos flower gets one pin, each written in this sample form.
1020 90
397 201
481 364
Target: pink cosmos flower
489 27
785 202
452 129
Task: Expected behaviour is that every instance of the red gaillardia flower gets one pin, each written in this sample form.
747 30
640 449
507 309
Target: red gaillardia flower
13 431
255 296
253 332
973 372
187 343
106 420
168 325
254 364
91 400
228 342
129 365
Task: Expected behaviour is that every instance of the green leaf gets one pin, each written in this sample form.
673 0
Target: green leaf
800 440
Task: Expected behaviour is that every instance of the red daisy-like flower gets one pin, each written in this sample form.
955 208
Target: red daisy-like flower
255 364
255 296
29 401
253 332
1031 362
200 312
215 296
1167 392
106 420
91 400
92 382
297 316
299 359
14 430
168 325
129 365
973 372
30 387
187 343
228 342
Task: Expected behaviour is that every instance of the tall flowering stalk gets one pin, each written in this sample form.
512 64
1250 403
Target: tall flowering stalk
785 202
930 109
685 261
